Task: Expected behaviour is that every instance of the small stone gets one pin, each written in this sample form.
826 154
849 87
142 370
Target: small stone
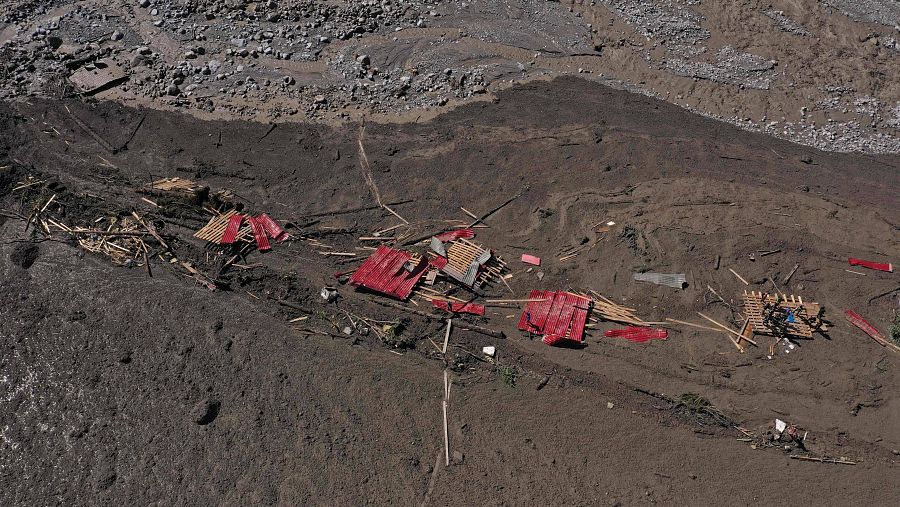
610 405
319 99
117 35
173 90
205 412
144 3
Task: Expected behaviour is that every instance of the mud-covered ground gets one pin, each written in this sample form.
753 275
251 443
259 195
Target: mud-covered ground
823 73
117 386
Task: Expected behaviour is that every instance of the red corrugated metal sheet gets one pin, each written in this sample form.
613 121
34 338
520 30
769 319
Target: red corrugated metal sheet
272 227
553 339
234 225
259 233
474 309
384 272
637 334
857 320
439 262
457 234
871 265
555 314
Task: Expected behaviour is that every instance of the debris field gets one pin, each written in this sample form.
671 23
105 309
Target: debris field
411 306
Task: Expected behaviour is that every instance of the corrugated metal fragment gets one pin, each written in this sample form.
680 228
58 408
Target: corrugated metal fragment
231 231
474 309
457 234
678 281
437 246
259 233
385 271
272 227
637 334
556 315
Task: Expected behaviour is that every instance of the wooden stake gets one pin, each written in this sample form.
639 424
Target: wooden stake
788 277
446 430
698 326
467 212
741 278
736 344
839 461
447 335
515 300
726 328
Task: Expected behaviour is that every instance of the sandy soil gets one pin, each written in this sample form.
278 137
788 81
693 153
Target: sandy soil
117 385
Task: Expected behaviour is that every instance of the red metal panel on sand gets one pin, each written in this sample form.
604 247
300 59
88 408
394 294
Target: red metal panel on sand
579 319
457 234
272 227
234 225
871 265
637 334
384 272
474 309
531 311
553 339
259 233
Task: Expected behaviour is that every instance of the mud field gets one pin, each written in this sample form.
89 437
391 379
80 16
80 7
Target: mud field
121 384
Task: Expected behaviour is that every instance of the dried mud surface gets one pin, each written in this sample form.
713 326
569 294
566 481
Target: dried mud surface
120 387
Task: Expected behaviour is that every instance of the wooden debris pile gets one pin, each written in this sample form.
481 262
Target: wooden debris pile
782 315
466 261
179 188
215 229
228 228
605 309
122 240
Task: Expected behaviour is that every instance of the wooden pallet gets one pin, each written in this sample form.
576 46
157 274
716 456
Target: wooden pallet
461 253
215 229
754 303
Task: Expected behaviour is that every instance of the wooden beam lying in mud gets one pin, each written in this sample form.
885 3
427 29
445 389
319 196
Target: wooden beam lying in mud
459 324
482 218
352 210
90 131
838 461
